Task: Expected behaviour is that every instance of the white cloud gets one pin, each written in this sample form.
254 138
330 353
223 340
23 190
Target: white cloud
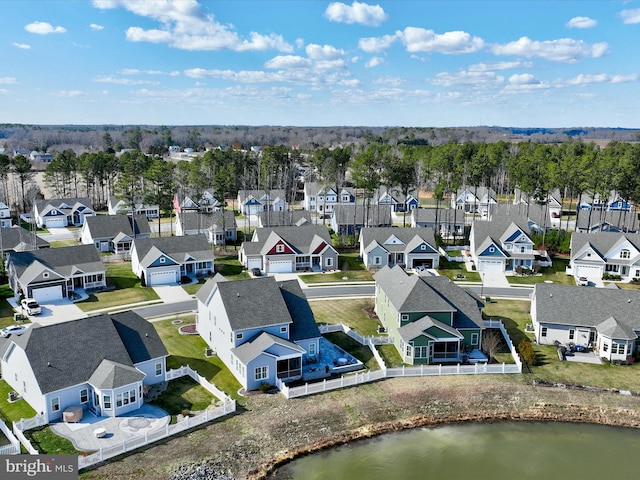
136 71
183 25
422 40
122 81
561 50
288 61
588 79
376 44
70 93
487 67
23 46
523 79
630 17
475 79
374 62
390 81
7 80
95 26
582 22
43 28
3 91
362 13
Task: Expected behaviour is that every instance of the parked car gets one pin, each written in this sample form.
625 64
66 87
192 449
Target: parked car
30 306
583 281
13 330
256 272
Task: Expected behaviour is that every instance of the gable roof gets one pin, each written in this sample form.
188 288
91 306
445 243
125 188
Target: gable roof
409 237
601 242
104 347
305 238
535 216
206 221
414 329
19 239
495 229
304 323
616 220
284 218
445 215
109 226
262 196
588 307
64 261
261 344
178 248
58 203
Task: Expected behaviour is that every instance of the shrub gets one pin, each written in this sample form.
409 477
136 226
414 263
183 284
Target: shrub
527 353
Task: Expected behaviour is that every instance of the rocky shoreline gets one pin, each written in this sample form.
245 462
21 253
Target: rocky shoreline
269 431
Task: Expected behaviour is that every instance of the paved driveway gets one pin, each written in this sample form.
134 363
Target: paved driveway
494 279
56 311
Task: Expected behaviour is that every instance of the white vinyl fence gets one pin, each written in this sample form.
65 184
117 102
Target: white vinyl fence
13 448
357 378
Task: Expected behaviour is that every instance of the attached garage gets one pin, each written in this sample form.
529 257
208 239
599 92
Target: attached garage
280 266
163 277
47 294
54 222
423 262
254 263
491 266
589 271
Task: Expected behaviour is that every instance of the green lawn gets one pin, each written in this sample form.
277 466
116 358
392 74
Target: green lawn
12 412
64 243
556 273
230 267
189 350
193 288
355 313
361 352
44 440
337 277
390 355
453 269
184 394
6 312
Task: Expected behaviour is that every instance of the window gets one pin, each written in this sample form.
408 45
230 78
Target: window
409 350
523 249
420 352
404 317
571 334
605 346
312 349
625 254
45 275
377 260
280 248
162 259
543 332
423 247
618 348
283 329
612 268
239 336
84 395
491 249
329 262
261 373
158 369
55 404
474 338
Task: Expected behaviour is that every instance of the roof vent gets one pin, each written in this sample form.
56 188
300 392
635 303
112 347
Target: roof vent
629 300
238 294
146 334
551 294
48 364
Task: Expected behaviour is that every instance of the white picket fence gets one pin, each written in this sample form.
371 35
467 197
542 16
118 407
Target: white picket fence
27 424
357 378
13 448
186 370
361 339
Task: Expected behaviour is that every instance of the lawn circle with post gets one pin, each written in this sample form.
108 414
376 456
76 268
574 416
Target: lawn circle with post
189 329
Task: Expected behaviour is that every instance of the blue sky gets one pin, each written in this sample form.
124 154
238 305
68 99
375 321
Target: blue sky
319 63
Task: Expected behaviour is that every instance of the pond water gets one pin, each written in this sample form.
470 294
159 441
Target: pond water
510 450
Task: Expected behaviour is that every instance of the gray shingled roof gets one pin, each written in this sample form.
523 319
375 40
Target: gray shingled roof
414 329
536 214
70 353
207 288
57 202
445 215
304 238
263 342
204 221
617 220
377 215
18 239
110 375
602 242
304 323
406 235
109 226
587 307
177 248
284 218
63 260
496 228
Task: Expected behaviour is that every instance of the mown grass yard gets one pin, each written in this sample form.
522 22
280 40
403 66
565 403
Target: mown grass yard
229 266
184 394
556 273
355 313
6 311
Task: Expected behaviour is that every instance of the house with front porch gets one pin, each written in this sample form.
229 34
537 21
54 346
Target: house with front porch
614 253
103 364
263 330
62 212
603 319
252 202
407 247
607 221
114 233
447 222
395 199
431 319
350 219
322 199
18 239
552 202
501 244
5 216
165 260
53 273
289 250
205 202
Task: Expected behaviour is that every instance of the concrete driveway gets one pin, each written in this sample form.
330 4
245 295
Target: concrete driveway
56 311
494 280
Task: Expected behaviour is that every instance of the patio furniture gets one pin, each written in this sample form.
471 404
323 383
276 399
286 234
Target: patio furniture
72 414
100 432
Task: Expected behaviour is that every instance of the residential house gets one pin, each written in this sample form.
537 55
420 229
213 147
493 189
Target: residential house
17 239
322 199
62 212
261 329
448 222
288 218
5 216
114 233
601 318
501 244
252 202
596 254
407 247
53 273
204 202
349 219
122 206
42 157
611 202
538 218
552 202
592 220
431 319
395 199
474 200
219 227
103 364
165 260
289 249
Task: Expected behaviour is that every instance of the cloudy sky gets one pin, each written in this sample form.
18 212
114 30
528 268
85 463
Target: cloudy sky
319 63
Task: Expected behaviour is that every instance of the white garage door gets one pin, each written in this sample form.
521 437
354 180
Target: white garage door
280 266
592 271
254 263
54 222
46 294
162 278
490 266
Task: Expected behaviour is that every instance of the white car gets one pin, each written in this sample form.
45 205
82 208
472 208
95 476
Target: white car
13 330
30 306
583 281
